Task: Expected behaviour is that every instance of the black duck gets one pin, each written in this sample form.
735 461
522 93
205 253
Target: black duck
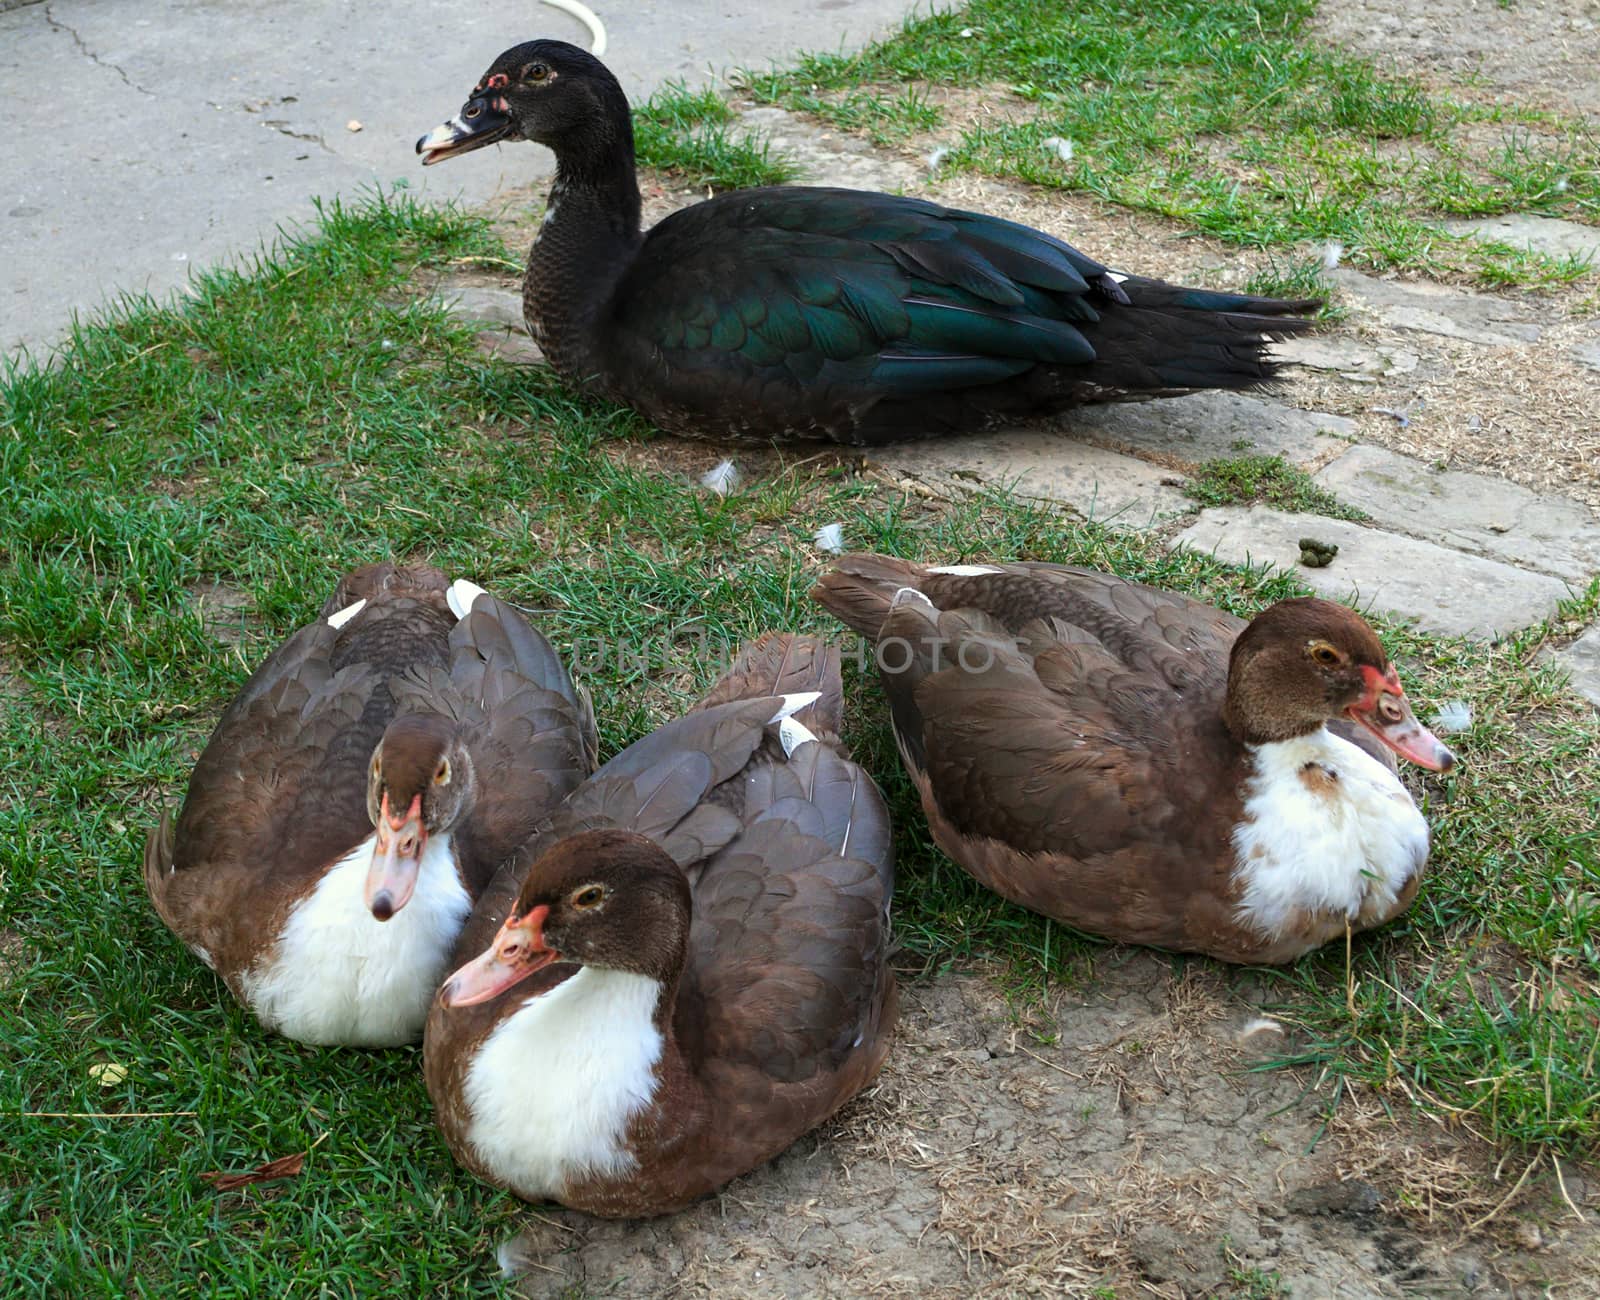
795 312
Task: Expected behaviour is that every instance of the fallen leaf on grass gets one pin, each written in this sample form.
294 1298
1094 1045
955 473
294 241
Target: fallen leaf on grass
108 1074
282 1167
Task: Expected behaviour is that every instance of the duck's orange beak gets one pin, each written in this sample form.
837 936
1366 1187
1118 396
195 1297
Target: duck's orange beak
396 859
1386 713
517 951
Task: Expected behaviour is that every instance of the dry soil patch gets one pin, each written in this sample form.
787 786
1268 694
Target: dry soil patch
1111 1135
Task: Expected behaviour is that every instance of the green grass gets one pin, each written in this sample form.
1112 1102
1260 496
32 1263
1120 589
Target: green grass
687 133
1244 480
1226 116
292 422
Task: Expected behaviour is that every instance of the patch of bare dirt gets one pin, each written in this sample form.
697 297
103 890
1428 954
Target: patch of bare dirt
1114 1137
13 956
1542 51
225 612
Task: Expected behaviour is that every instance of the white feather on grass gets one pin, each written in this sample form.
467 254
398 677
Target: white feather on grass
1061 147
830 538
1453 718
722 478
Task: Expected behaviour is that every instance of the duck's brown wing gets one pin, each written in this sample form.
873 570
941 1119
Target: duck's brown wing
273 794
781 663
1065 781
1145 629
1063 750
788 974
658 786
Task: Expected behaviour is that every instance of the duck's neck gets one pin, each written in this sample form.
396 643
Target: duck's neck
1253 727
588 240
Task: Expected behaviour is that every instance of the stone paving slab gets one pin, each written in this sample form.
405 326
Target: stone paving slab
1102 485
510 345
1350 357
483 304
1209 426
1472 512
1548 235
1433 309
1582 660
1442 590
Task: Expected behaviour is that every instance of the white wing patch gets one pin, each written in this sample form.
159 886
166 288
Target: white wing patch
793 704
966 570
908 594
338 620
792 735
461 595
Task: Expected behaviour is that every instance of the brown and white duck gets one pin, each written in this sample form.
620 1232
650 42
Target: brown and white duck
685 970
1142 766
357 796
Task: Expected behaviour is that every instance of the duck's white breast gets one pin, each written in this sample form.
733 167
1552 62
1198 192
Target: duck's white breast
339 975
1326 828
552 1089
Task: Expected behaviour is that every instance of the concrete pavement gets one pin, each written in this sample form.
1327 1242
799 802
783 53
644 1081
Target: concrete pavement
151 136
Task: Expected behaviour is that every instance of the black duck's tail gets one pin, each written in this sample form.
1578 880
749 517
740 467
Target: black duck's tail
1171 337
782 663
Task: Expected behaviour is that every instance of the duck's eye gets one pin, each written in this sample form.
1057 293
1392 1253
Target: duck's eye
589 896
377 765
473 110
536 72
1325 654
442 776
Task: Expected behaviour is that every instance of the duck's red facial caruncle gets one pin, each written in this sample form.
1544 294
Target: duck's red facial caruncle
1384 711
517 952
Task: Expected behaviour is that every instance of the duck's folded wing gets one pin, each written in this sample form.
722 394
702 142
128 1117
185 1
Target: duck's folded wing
281 784
1064 751
659 786
853 290
788 971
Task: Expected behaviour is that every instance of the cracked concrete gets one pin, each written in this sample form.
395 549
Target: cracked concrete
158 153
89 54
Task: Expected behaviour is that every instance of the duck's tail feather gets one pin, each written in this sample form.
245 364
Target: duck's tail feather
1170 337
159 860
859 589
784 663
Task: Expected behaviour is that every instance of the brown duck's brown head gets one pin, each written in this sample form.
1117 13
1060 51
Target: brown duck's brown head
609 899
421 782
1304 661
546 91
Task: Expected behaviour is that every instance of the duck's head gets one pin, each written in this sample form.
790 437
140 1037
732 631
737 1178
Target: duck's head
546 91
1305 661
420 783
608 899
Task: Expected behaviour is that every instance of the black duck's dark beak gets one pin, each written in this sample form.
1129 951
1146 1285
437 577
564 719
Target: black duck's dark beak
478 124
